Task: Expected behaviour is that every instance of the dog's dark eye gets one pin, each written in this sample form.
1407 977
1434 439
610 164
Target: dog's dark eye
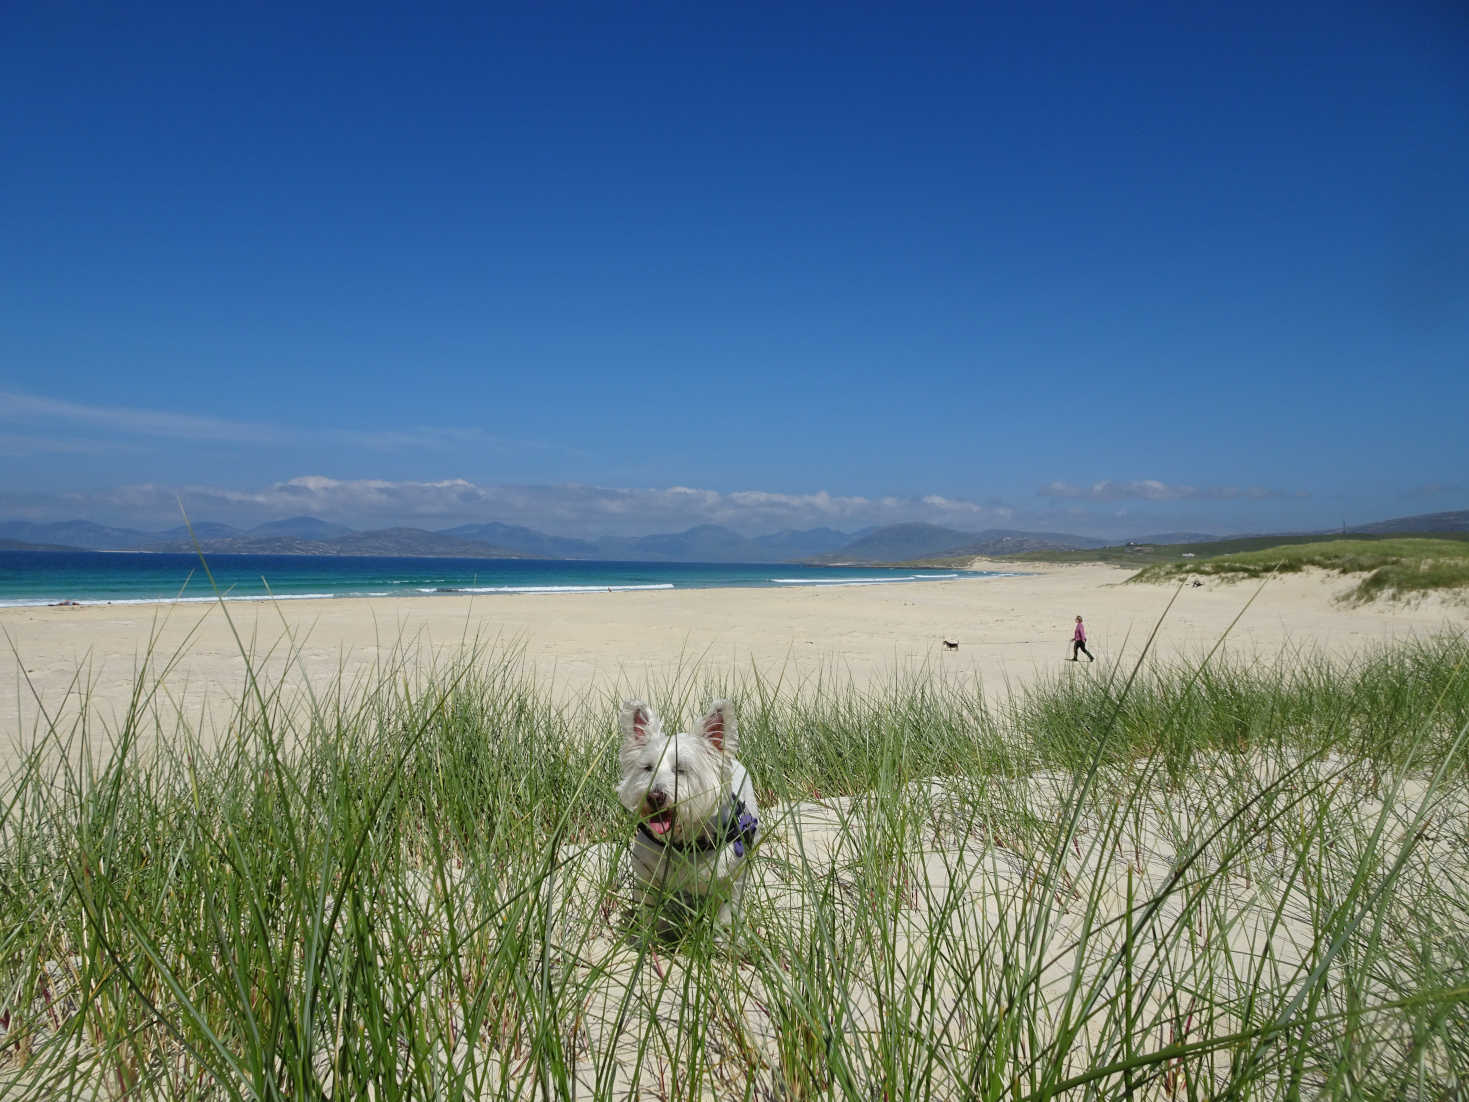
647 769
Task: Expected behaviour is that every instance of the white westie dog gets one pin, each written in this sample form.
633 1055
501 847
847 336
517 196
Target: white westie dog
697 817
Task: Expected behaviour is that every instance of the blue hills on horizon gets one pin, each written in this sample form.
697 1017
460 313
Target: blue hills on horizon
700 543
310 535
304 535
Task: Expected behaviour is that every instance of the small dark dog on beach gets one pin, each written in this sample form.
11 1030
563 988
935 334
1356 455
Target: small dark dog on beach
950 646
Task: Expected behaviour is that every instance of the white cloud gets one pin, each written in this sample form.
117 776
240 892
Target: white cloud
116 423
22 445
569 509
1434 489
1149 489
19 406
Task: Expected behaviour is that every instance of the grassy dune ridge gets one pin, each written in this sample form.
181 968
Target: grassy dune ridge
1394 568
1183 880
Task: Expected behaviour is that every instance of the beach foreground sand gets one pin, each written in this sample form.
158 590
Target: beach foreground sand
1010 630
950 882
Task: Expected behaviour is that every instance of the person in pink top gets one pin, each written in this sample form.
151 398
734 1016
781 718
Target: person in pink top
1078 642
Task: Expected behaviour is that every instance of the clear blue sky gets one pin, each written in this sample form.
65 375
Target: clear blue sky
1103 268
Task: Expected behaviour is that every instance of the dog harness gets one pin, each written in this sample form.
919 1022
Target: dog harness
735 827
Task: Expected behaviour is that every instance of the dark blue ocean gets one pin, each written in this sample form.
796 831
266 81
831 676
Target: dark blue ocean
46 577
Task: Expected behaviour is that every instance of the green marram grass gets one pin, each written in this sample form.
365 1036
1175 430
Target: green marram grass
1400 565
1181 880
1394 568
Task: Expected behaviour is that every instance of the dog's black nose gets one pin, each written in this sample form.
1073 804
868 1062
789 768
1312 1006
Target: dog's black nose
657 798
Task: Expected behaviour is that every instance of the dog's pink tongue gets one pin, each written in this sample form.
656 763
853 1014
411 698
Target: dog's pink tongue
661 824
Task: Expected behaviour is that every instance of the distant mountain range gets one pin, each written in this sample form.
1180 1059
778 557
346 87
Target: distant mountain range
22 545
311 536
904 542
703 543
1166 538
1421 524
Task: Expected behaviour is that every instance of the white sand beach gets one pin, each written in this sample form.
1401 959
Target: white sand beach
1010 630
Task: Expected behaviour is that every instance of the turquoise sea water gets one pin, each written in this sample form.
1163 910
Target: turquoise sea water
46 577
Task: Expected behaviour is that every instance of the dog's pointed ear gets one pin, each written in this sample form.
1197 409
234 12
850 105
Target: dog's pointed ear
719 727
637 721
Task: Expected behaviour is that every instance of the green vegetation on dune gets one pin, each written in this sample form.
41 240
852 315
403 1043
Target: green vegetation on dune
1142 554
1395 567
1146 554
1191 880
